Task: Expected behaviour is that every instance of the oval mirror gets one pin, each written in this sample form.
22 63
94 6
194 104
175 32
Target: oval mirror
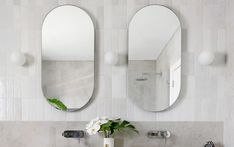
154 64
68 58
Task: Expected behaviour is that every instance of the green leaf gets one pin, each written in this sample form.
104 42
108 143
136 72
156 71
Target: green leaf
117 120
125 122
57 104
130 126
117 125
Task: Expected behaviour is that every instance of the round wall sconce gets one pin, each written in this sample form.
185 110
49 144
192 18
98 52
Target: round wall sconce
214 58
18 58
206 57
111 58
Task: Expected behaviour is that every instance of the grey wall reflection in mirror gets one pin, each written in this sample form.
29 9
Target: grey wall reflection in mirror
68 58
154 66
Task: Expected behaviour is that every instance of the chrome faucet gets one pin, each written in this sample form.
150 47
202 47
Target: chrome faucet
159 134
74 134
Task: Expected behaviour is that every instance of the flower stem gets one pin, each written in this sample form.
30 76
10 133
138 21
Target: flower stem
105 133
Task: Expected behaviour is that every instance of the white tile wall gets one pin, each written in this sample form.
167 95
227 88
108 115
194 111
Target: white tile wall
207 93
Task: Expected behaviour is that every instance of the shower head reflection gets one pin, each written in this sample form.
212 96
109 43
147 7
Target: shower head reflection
141 79
143 76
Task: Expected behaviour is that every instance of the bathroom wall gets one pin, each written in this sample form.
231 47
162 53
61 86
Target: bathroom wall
49 134
207 92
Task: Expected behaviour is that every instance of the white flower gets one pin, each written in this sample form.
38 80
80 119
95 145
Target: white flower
91 123
104 120
93 130
101 121
94 125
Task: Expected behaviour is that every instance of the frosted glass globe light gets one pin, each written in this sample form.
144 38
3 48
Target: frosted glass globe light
206 57
111 58
18 58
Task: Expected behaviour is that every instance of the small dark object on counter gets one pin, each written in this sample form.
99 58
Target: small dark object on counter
209 144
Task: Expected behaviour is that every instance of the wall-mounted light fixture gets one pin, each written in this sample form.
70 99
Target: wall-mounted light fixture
209 57
111 58
206 57
18 58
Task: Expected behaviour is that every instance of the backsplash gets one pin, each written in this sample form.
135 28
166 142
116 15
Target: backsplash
207 92
49 134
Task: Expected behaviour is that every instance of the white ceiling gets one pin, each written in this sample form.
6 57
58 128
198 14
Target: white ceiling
150 30
68 34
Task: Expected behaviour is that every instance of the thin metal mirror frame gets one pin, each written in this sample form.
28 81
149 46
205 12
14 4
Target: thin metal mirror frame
93 92
176 101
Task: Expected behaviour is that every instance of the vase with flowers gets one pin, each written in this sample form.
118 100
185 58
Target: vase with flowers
108 128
